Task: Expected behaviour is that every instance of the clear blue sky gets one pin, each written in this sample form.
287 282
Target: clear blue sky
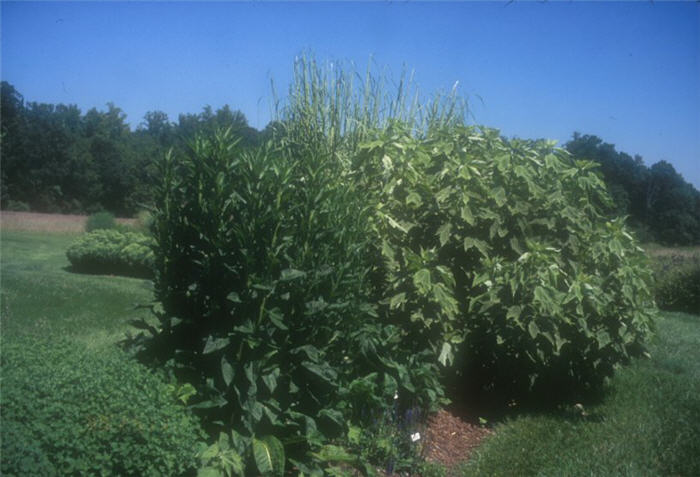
627 72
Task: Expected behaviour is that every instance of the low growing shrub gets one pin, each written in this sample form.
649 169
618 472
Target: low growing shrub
71 411
677 286
100 221
114 252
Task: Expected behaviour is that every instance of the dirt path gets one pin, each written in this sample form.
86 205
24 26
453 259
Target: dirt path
36 222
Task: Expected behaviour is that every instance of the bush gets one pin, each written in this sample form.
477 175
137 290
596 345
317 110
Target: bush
496 254
677 285
70 411
100 221
114 252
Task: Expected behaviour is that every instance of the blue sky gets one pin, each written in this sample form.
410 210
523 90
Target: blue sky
628 72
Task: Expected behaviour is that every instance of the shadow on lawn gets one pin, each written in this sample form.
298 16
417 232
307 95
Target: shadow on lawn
473 403
129 272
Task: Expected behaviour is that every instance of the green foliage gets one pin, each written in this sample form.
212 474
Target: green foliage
496 253
677 285
100 221
70 411
114 252
261 282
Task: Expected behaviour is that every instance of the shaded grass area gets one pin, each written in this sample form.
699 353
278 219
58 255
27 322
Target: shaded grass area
40 296
647 422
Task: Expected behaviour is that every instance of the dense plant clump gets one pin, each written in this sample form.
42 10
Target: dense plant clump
261 276
100 221
496 253
113 252
677 285
331 276
69 411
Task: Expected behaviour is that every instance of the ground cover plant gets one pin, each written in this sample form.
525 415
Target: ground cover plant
112 251
68 411
72 402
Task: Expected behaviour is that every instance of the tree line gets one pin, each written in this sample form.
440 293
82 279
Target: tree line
57 159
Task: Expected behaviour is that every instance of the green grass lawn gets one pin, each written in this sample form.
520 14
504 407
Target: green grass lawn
40 296
646 423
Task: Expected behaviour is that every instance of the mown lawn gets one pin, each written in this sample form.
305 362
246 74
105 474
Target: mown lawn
646 423
41 296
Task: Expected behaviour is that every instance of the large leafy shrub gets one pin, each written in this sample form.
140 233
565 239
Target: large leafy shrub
496 253
111 251
261 284
71 411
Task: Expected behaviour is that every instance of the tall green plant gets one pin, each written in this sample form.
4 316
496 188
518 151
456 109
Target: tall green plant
261 287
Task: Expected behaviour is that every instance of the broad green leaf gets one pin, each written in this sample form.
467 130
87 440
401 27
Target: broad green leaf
226 371
277 318
268 453
499 195
215 344
446 355
291 274
514 312
233 297
533 329
444 233
397 300
467 216
421 280
413 198
326 373
480 245
270 380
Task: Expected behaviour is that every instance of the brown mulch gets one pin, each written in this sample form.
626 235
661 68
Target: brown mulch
36 222
450 439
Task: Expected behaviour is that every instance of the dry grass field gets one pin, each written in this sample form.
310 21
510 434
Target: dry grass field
56 223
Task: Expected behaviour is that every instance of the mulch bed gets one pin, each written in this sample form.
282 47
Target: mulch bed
450 439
